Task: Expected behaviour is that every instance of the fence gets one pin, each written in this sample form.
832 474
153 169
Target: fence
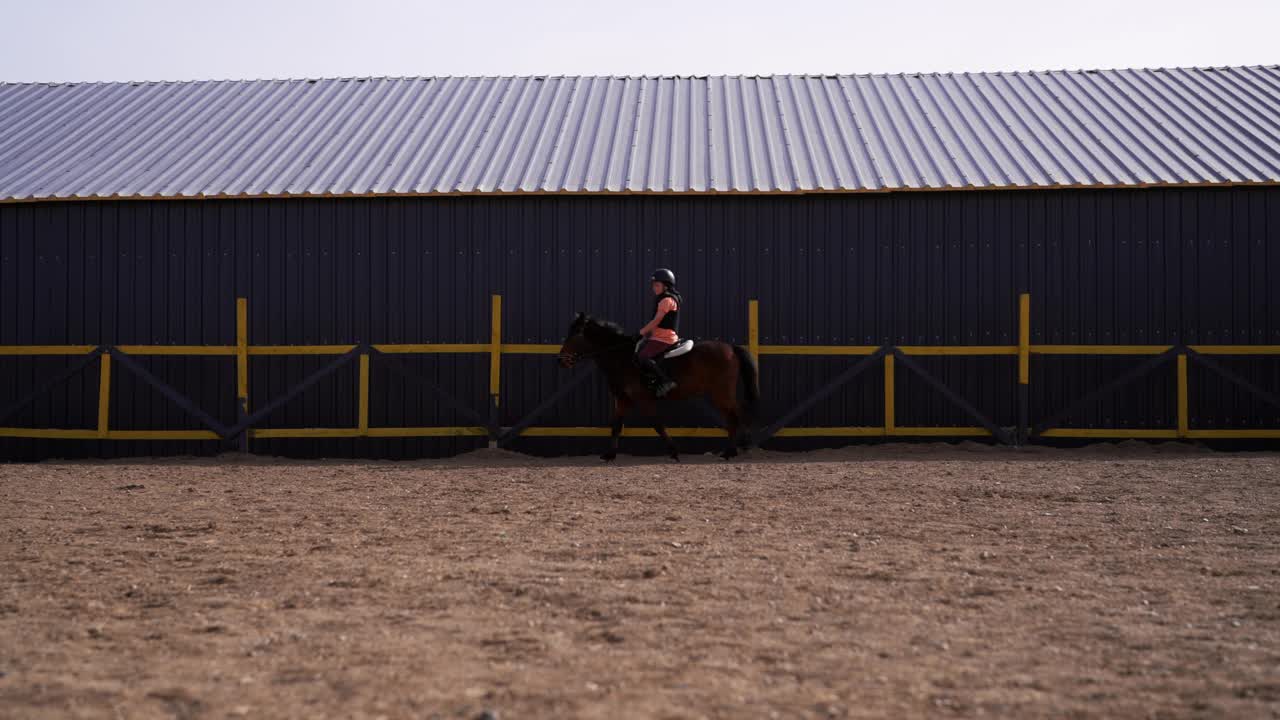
485 423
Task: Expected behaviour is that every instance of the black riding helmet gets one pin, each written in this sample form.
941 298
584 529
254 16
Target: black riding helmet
668 279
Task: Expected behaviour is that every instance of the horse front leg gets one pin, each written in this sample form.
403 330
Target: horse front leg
647 406
661 429
620 405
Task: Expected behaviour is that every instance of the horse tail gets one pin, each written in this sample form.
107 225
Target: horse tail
750 375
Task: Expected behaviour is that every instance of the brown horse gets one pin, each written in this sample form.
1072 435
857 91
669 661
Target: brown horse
712 369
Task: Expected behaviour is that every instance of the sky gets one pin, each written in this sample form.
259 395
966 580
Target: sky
82 40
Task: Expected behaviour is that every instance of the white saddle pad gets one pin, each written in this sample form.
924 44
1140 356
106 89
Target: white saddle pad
681 348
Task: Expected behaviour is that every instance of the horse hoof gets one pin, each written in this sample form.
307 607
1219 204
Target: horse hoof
674 457
609 456
729 454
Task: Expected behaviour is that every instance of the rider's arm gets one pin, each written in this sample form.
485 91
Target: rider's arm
665 306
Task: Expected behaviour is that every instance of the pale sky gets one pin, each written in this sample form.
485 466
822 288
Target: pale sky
77 40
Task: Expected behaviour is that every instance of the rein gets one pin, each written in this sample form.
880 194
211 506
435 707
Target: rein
573 358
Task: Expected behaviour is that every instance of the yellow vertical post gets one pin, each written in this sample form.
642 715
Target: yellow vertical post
495 348
364 394
753 328
104 394
1024 338
242 366
1024 368
890 423
495 365
1184 424
242 351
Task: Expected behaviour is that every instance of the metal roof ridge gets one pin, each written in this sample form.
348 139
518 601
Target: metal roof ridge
643 76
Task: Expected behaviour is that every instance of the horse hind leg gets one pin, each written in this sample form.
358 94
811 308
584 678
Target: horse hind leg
661 429
733 424
742 437
725 398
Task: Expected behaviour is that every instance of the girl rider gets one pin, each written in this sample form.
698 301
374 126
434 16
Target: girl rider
660 334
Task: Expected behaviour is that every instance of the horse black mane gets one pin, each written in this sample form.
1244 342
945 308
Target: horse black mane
598 331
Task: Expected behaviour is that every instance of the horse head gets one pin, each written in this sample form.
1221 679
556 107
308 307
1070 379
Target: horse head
589 336
576 342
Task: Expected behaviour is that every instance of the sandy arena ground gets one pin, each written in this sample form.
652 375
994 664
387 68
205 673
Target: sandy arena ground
895 582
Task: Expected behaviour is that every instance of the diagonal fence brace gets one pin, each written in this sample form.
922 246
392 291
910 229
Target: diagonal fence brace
910 363
1137 372
835 384
261 413
528 420
51 383
177 398
1263 395
399 368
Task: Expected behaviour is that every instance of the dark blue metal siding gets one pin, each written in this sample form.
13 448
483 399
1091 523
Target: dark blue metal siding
1103 266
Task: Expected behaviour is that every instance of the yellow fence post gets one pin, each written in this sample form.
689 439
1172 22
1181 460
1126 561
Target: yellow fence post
1184 424
1024 366
753 328
242 366
495 365
364 394
104 394
890 424
1024 338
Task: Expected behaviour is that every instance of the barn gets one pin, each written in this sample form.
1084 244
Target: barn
385 267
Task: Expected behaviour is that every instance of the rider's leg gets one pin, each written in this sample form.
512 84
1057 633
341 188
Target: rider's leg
660 382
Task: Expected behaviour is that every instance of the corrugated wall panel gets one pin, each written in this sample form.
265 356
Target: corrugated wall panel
1114 266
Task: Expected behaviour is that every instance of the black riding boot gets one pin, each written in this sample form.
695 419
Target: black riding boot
656 378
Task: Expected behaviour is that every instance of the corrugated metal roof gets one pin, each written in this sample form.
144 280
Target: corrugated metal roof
781 134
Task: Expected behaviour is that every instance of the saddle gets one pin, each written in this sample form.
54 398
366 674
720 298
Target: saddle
674 351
